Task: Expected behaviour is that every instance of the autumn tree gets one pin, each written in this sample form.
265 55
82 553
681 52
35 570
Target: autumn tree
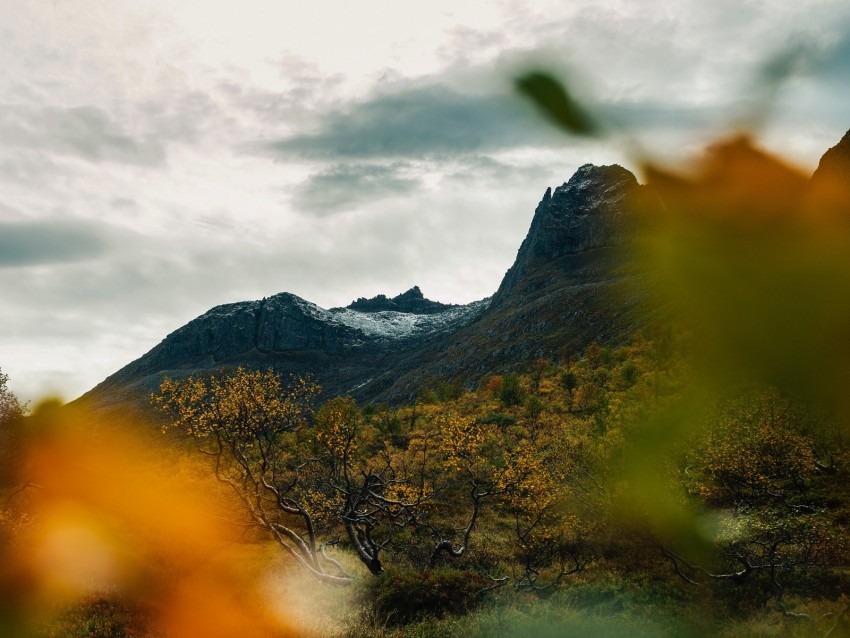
252 428
11 412
511 392
13 482
363 487
10 406
314 478
756 464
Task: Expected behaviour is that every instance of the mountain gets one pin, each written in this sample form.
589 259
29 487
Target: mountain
835 163
555 299
566 289
411 301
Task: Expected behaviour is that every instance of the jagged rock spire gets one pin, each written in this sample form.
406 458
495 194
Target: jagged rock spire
411 300
588 211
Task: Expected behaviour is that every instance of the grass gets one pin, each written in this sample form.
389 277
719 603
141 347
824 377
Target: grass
599 607
102 616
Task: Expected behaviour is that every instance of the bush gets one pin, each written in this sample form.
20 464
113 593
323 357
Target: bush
629 373
511 391
533 407
402 597
450 391
494 385
494 418
98 617
569 380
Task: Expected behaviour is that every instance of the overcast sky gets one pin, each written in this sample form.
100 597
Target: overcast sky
158 158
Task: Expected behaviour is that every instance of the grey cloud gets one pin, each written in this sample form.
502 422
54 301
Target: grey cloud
491 172
124 204
811 57
186 116
836 60
31 168
343 187
85 132
48 242
415 122
465 43
644 115
435 122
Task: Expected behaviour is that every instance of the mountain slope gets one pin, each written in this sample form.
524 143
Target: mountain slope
556 297
566 289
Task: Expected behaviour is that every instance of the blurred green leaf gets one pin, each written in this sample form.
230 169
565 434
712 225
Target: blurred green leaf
552 97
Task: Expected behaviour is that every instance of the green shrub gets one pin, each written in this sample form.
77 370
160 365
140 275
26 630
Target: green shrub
494 418
569 380
450 391
629 373
511 392
533 407
368 410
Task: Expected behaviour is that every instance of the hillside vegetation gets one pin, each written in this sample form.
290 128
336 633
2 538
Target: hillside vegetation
544 499
527 489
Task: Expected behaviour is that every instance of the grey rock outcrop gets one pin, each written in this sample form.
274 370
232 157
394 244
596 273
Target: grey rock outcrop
282 322
412 301
589 211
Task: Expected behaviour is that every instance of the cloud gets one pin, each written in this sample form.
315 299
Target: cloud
436 120
85 132
343 187
650 115
182 115
416 122
48 242
486 172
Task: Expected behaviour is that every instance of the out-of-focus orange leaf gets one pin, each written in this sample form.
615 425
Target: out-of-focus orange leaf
113 514
756 258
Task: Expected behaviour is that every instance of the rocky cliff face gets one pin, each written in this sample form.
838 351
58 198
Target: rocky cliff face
343 347
566 288
589 211
279 323
556 296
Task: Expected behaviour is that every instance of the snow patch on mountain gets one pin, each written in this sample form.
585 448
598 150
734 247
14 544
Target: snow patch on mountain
391 325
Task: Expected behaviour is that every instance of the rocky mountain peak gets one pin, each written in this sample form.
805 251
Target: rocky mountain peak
585 212
413 293
412 301
591 210
559 296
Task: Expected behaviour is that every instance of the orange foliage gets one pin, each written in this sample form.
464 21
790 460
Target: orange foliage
494 384
110 513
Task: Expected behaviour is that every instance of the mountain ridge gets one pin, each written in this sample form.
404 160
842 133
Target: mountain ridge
565 289
386 349
411 300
